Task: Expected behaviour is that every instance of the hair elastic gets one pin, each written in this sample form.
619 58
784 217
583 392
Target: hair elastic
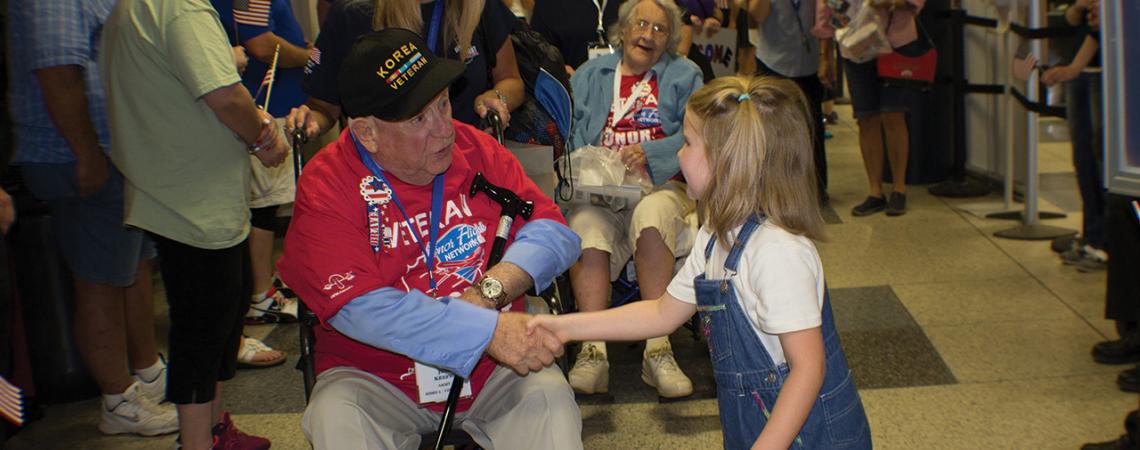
742 97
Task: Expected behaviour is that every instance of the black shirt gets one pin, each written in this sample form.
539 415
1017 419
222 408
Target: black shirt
350 19
571 25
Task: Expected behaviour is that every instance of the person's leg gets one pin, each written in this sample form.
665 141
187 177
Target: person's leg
871 147
268 305
1122 290
898 148
540 403
657 222
813 92
205 330
603 242
100 332
261 255
350 408
139 309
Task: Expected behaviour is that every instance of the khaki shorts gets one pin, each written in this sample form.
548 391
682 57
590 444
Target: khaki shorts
667 208
272 186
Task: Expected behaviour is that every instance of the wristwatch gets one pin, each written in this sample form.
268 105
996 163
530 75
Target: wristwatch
491 289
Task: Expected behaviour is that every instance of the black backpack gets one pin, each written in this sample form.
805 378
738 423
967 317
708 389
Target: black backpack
530 123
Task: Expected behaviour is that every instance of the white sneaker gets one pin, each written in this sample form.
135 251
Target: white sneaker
136 414
154 390
659 369
591 372
275 308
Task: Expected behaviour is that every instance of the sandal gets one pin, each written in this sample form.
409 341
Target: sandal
254 354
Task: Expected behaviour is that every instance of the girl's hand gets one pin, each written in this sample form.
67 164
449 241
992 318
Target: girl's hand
549 322
1060 74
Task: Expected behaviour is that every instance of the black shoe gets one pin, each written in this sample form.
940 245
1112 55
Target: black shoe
1129 380
1064 243
869 206
896 206
1120 351
1121 443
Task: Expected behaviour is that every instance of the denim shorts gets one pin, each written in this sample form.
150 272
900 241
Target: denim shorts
869 96
92 238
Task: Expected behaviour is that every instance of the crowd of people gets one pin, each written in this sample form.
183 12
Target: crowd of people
160 128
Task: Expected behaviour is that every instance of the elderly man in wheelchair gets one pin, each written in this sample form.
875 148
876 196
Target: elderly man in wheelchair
389 245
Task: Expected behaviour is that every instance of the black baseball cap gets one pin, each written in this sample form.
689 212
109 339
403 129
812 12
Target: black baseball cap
392 74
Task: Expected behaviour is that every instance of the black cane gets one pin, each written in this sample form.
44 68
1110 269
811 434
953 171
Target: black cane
512 206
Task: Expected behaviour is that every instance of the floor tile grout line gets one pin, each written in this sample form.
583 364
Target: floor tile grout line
989 238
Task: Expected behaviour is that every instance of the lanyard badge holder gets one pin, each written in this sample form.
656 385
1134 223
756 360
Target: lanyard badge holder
599 47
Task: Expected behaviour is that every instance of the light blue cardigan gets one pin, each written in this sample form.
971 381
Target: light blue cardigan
593 85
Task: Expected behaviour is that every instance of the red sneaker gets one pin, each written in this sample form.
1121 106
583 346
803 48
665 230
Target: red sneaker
229 437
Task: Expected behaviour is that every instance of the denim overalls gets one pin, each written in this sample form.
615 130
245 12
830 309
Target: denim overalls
748 381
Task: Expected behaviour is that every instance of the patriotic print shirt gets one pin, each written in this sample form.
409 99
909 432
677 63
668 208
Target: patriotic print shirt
641 123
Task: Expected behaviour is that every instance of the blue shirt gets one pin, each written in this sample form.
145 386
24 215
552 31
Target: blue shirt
593 86
287 93
460 332
52 33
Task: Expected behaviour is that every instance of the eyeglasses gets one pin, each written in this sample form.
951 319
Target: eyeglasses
658 29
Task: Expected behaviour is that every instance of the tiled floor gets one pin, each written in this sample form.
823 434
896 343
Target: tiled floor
958 340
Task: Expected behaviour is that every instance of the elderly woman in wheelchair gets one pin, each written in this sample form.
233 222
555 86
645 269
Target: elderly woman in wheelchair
632 102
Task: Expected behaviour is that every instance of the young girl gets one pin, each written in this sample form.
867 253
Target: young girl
754 275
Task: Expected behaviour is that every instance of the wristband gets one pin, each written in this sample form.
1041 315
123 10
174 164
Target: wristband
260 145
502 98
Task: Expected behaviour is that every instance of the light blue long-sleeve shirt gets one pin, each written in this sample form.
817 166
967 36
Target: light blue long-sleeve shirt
452 334
593 86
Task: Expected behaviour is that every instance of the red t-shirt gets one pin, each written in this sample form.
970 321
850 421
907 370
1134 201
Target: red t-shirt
640 123
329 261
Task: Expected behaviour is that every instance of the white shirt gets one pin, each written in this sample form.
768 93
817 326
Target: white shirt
779 281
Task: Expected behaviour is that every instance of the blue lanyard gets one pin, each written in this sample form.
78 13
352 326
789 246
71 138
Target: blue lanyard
433 29
436 209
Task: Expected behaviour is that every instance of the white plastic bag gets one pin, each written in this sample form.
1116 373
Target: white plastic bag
599 178
865 37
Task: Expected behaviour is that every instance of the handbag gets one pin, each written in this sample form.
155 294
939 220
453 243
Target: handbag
898 69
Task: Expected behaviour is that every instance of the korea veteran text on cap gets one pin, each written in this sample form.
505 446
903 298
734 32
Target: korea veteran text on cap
391 74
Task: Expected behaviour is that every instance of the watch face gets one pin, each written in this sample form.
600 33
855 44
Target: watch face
491 288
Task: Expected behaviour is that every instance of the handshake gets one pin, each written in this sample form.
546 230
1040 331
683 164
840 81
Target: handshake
526 343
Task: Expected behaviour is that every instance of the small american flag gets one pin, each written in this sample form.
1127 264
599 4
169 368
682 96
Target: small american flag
267 82
315 56
252 12
11 402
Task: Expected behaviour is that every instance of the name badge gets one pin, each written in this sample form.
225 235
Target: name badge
597 49
435 384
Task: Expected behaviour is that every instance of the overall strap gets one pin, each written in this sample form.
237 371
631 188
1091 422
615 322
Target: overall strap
738 247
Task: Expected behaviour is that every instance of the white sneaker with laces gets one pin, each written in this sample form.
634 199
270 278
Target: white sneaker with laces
591 372
659 369
154 390
136 414
275 308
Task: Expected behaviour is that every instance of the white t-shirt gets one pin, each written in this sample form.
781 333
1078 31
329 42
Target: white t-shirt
779 281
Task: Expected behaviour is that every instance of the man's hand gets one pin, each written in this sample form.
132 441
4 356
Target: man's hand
1060 74
91 172
524 352
304 119
7 212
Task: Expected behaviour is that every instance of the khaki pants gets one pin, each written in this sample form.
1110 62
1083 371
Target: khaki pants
352 409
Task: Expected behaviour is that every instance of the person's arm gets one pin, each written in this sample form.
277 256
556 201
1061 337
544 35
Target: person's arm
7 211
544 249
632 322
508 85
1072 70
759 10
1075 13
827 63
806 359
661 155
65 95
234 107
414 325
263 45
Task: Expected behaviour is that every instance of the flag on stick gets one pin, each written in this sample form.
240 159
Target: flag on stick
267 82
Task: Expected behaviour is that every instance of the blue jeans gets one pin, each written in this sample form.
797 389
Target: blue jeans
1083 108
